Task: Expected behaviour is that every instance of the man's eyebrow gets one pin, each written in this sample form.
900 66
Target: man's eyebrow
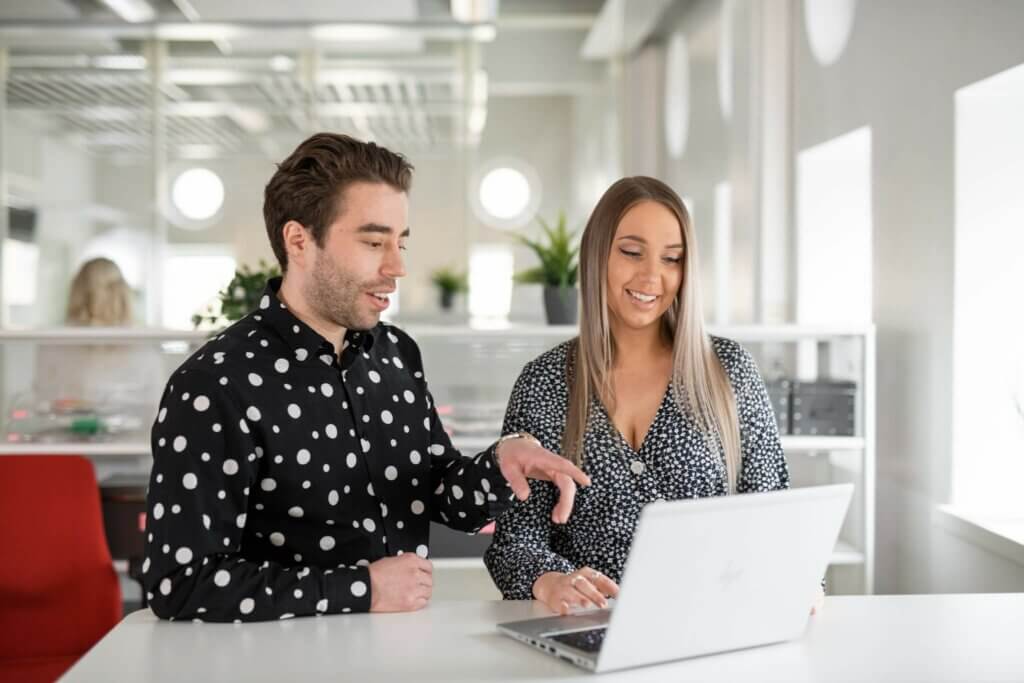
380 229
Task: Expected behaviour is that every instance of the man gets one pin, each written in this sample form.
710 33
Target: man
298 457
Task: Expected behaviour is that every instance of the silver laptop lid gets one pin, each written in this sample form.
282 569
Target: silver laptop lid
717 574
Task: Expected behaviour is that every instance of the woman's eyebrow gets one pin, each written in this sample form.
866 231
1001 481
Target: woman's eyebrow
641 240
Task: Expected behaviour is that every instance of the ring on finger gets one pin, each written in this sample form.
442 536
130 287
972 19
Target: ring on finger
573 580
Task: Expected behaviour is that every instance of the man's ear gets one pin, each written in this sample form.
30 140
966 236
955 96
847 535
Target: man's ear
297 243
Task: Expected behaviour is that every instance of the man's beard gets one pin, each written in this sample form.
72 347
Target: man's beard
336 295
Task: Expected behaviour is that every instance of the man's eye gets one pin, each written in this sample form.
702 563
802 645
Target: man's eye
375 244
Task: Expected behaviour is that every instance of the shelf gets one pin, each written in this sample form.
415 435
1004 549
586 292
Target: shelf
790 444
470 445
803 444
460 563
467 444
117 449
71 335
846 554
741 333
788 333
510 329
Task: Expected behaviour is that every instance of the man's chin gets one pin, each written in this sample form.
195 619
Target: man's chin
365 322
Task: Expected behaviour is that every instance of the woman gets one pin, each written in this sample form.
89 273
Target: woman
117 380
99 296
644 400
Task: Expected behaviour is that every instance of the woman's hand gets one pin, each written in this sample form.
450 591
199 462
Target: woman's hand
584 587
819 601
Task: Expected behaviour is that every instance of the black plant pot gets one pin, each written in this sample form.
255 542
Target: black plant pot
560 305
447 299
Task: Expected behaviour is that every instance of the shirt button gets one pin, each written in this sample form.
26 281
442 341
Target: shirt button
637 467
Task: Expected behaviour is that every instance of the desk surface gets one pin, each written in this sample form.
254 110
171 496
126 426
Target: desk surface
879 638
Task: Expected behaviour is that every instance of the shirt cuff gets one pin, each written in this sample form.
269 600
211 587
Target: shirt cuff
549 562
500 495
348 590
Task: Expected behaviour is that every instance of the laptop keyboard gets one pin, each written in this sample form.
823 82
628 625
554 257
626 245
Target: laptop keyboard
589 640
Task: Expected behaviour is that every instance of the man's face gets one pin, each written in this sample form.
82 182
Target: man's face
361 259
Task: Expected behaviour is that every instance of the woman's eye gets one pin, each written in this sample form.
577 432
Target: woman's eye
673 259
631 254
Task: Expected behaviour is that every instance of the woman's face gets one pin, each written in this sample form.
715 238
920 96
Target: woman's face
645 268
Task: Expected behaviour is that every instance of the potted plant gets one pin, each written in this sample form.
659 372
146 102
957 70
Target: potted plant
449 282
240 296
558 269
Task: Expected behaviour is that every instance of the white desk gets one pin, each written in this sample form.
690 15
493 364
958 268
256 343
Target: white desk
880 638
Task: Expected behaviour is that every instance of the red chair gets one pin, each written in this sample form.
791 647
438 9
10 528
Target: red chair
59 593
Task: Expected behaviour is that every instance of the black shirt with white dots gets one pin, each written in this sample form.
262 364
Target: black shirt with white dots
280 471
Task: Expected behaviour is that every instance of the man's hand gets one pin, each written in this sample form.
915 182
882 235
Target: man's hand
522 459
583 588
400 584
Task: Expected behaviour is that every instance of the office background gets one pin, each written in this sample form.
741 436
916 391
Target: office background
847 163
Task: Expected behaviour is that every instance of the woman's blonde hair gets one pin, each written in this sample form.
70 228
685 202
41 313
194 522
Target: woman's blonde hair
700 385
99 296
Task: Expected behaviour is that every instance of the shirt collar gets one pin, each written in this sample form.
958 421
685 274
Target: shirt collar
297 334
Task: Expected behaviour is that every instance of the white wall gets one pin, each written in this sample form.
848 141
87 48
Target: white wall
898 75
718 144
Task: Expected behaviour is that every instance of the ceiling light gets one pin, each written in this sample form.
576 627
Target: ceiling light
355 33
132 11
282 63
198 193
120 62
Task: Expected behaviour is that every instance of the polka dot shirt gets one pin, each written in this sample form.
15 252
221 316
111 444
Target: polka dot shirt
674 462
280 471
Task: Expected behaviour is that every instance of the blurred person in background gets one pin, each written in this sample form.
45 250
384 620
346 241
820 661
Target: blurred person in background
82 389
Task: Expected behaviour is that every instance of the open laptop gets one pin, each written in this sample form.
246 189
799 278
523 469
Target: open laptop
704 576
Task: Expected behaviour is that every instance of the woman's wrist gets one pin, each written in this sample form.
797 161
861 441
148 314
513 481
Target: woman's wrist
541 583
510 437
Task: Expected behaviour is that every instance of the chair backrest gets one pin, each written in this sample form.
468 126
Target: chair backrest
59 593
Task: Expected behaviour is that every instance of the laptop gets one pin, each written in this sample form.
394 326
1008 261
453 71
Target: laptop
704 576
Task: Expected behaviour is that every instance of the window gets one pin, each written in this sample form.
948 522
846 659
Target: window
833 213
490 284
193 275
723 252
988 319
677 95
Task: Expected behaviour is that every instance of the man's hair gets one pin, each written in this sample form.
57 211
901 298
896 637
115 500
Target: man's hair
309 185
